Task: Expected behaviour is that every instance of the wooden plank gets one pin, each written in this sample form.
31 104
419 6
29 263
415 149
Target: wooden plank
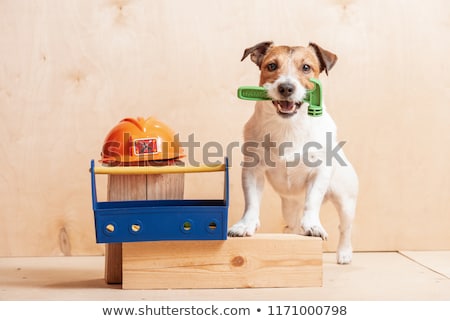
121 187
79 278
137 187
165 186
437 261
113 263
67 64
264 260
127 187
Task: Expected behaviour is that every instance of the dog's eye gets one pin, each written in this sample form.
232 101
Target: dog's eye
306 68
272 66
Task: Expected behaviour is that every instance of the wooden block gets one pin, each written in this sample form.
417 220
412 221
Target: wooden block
121 187
137 187
113 263
264 260
165 186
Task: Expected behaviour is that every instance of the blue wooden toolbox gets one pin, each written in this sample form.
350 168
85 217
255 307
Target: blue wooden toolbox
157 220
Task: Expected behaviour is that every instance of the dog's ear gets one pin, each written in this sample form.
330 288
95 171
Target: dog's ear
257 52
327 59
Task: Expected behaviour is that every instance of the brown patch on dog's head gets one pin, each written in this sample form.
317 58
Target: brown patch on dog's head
257 52
298 61
326 58
286 71
260 52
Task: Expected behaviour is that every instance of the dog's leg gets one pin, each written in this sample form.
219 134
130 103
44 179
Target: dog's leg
253 185
346 208
344 191
291 211
317 187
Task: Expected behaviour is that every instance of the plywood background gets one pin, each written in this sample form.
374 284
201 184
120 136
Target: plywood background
70 70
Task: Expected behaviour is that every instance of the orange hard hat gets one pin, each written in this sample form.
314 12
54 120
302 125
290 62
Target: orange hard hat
138 141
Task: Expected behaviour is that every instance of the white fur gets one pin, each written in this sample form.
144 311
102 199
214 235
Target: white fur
272 88
337 182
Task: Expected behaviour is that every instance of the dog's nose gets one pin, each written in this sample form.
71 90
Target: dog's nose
286 89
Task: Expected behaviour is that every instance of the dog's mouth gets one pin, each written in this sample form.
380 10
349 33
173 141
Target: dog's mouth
287 107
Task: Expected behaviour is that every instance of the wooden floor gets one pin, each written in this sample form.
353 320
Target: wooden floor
371 276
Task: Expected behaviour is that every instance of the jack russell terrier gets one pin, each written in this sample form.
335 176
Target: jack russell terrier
284 122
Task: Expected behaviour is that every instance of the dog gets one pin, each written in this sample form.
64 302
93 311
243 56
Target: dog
276 136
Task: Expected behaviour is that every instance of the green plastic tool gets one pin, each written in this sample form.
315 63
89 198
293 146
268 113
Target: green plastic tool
313 97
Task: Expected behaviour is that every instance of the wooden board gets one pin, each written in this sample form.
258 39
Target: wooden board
372 276
438 261
120 188
71 70
265 260
137 187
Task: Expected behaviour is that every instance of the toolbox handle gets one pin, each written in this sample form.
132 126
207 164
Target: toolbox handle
143 170
146 170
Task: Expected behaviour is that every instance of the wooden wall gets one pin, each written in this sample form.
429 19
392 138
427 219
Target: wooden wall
70 70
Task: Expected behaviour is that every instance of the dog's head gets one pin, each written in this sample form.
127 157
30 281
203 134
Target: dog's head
285 71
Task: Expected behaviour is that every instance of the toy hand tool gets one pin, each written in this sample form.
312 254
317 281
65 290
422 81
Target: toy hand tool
313 97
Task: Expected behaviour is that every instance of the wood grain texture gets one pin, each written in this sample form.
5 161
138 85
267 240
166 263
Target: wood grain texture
375 276
165 187
265 260
71 70
120 188
113 263
137 187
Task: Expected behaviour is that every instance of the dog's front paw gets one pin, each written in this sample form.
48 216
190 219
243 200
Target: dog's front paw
244 228
311 228
344 256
